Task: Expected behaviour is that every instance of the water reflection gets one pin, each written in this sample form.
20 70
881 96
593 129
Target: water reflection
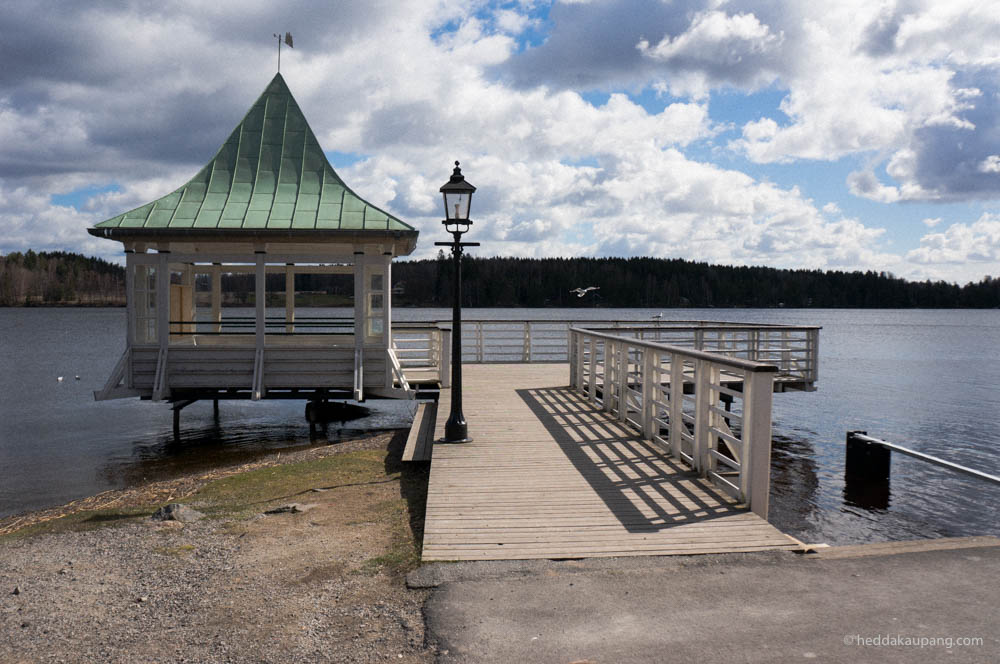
794 483
207 442
870 493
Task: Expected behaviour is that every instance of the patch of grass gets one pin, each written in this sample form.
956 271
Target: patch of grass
86 520
399 560
404 549
250 492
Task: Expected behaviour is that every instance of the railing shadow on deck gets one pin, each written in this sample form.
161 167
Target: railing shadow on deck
577 427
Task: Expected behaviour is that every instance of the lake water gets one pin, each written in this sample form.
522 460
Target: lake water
924 379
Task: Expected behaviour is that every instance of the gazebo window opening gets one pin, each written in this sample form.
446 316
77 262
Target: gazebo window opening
375 312
144 298
317 311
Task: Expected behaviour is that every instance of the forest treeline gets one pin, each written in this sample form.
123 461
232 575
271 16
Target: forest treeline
655 282
61 278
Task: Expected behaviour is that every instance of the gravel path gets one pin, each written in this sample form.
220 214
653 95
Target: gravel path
272 588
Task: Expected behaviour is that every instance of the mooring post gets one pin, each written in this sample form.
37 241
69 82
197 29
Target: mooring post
865 459
177 423
866 472
215 408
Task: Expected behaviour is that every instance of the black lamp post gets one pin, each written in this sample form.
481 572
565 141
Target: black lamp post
457 199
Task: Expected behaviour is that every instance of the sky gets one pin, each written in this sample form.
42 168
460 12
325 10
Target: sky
846 135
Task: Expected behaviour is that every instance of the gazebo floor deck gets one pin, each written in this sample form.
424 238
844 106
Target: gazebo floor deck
548 475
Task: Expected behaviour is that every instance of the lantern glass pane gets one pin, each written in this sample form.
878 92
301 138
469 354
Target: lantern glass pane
456 205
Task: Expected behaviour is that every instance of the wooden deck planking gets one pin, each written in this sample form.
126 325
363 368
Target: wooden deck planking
548 475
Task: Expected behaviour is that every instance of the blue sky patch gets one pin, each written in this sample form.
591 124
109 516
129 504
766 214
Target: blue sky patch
78 197
344 159
730 106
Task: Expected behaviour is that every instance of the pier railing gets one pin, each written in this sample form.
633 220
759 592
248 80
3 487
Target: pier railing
794 350
709 410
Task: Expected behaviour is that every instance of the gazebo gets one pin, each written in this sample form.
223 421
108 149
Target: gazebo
268 202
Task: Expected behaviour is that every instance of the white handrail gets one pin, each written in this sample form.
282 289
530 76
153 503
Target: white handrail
120 373
257 391
793 348
397 370
671 395
359 374
160 379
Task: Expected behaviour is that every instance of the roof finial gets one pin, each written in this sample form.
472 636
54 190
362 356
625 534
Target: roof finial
288 40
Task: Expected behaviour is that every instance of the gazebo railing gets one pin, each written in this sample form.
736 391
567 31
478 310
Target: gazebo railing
273 325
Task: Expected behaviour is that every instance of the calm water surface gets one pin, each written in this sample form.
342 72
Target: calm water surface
924 379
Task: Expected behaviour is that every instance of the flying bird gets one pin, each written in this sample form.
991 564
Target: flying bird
580 292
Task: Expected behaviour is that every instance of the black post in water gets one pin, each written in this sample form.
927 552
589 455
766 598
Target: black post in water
866 472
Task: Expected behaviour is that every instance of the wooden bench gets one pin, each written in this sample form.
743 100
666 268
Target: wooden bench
420 442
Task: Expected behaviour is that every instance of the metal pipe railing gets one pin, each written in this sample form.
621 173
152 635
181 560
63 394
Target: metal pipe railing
861 437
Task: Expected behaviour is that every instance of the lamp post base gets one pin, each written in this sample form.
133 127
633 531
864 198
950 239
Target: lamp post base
456 431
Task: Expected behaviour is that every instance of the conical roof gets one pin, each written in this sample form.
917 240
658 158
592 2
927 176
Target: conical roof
270 174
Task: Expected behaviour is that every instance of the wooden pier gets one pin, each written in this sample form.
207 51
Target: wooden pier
550 475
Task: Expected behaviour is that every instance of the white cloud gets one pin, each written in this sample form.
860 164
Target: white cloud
413 86
967 250
990 165
866 184
931 222
512 22
31 221
715 43
889 80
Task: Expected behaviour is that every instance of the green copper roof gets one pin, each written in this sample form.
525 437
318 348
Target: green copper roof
269 174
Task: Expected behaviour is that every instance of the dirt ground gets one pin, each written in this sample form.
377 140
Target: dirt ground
321 585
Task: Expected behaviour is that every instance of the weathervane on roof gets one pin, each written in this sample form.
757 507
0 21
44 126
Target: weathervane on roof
288 40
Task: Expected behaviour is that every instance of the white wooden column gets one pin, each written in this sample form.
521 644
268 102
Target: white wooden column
130 299
676 405
387 314
289 298
387 301
161 383
651 386
163 299
756 462
360 306
702 389
360 295
187 312
260 329
217 296
260 291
